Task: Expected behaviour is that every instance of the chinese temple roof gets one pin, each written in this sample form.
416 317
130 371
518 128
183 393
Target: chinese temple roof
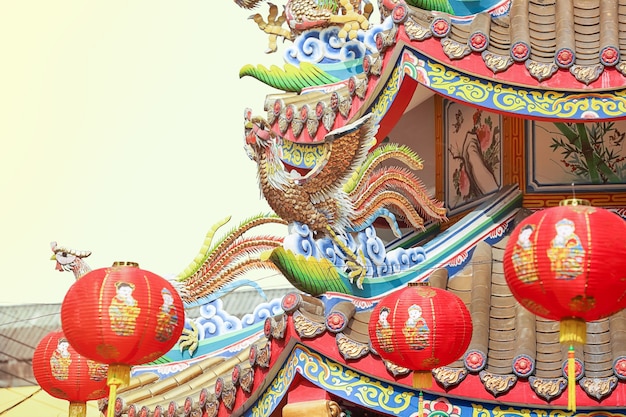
514 357
548 44
540 59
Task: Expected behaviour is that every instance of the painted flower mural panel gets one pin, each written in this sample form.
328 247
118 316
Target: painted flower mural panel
583 154
473 160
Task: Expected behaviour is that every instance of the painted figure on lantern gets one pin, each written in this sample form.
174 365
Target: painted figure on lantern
415 329
566 252
123 310
384 332
61 360
166 317
97 371
523 256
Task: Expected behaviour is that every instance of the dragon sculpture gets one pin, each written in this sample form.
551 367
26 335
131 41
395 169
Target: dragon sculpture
301 15
342 193
217 269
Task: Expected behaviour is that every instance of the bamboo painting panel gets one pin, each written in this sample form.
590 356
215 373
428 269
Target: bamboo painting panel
576 157
472 161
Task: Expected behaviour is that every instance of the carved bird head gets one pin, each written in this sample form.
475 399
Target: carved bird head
66 259
260 138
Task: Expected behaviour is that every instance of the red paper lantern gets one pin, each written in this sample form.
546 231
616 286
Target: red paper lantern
65 374
420 328
568 264
122 316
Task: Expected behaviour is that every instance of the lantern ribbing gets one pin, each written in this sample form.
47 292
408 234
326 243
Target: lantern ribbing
563 263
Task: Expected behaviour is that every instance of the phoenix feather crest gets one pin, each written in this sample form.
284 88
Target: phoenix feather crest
347 189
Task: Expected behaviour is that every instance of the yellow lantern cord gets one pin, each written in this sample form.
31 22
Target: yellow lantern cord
571 379
78 409
118 375
420 405
572 331
422 379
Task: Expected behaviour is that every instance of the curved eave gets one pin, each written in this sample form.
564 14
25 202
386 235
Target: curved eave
438 74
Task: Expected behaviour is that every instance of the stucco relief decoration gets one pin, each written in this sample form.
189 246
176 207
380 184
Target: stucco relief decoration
415 68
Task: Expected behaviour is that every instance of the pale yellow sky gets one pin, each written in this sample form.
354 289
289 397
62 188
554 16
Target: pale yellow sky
122 133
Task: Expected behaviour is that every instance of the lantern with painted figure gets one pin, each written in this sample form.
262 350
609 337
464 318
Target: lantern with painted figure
568 263
67 375
122 316
420 328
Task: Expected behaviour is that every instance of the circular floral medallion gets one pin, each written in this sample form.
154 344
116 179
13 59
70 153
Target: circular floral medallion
478 42
278 106
475 360
334 101
399 13
440 27
523 366
235 374
158 411
132 411
289 111
267 327
204 394
367 64
336 321
520 51
171 409
119 406
290 301
579 368
252 356
352 85
188 405
565 57
619 367
319 109
219 386
609 56
378 40
144 412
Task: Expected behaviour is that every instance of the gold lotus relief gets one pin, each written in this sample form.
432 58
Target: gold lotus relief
396 370
599 388
376 64
547 388
278 327
454 49
389 37
328 118
495 62
497 384
312 124
449 377
306 327
246 380
541 70
361 88
344 106
211 409
416 31
228 396
296 126
271 116
351 349
587 73
283 124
